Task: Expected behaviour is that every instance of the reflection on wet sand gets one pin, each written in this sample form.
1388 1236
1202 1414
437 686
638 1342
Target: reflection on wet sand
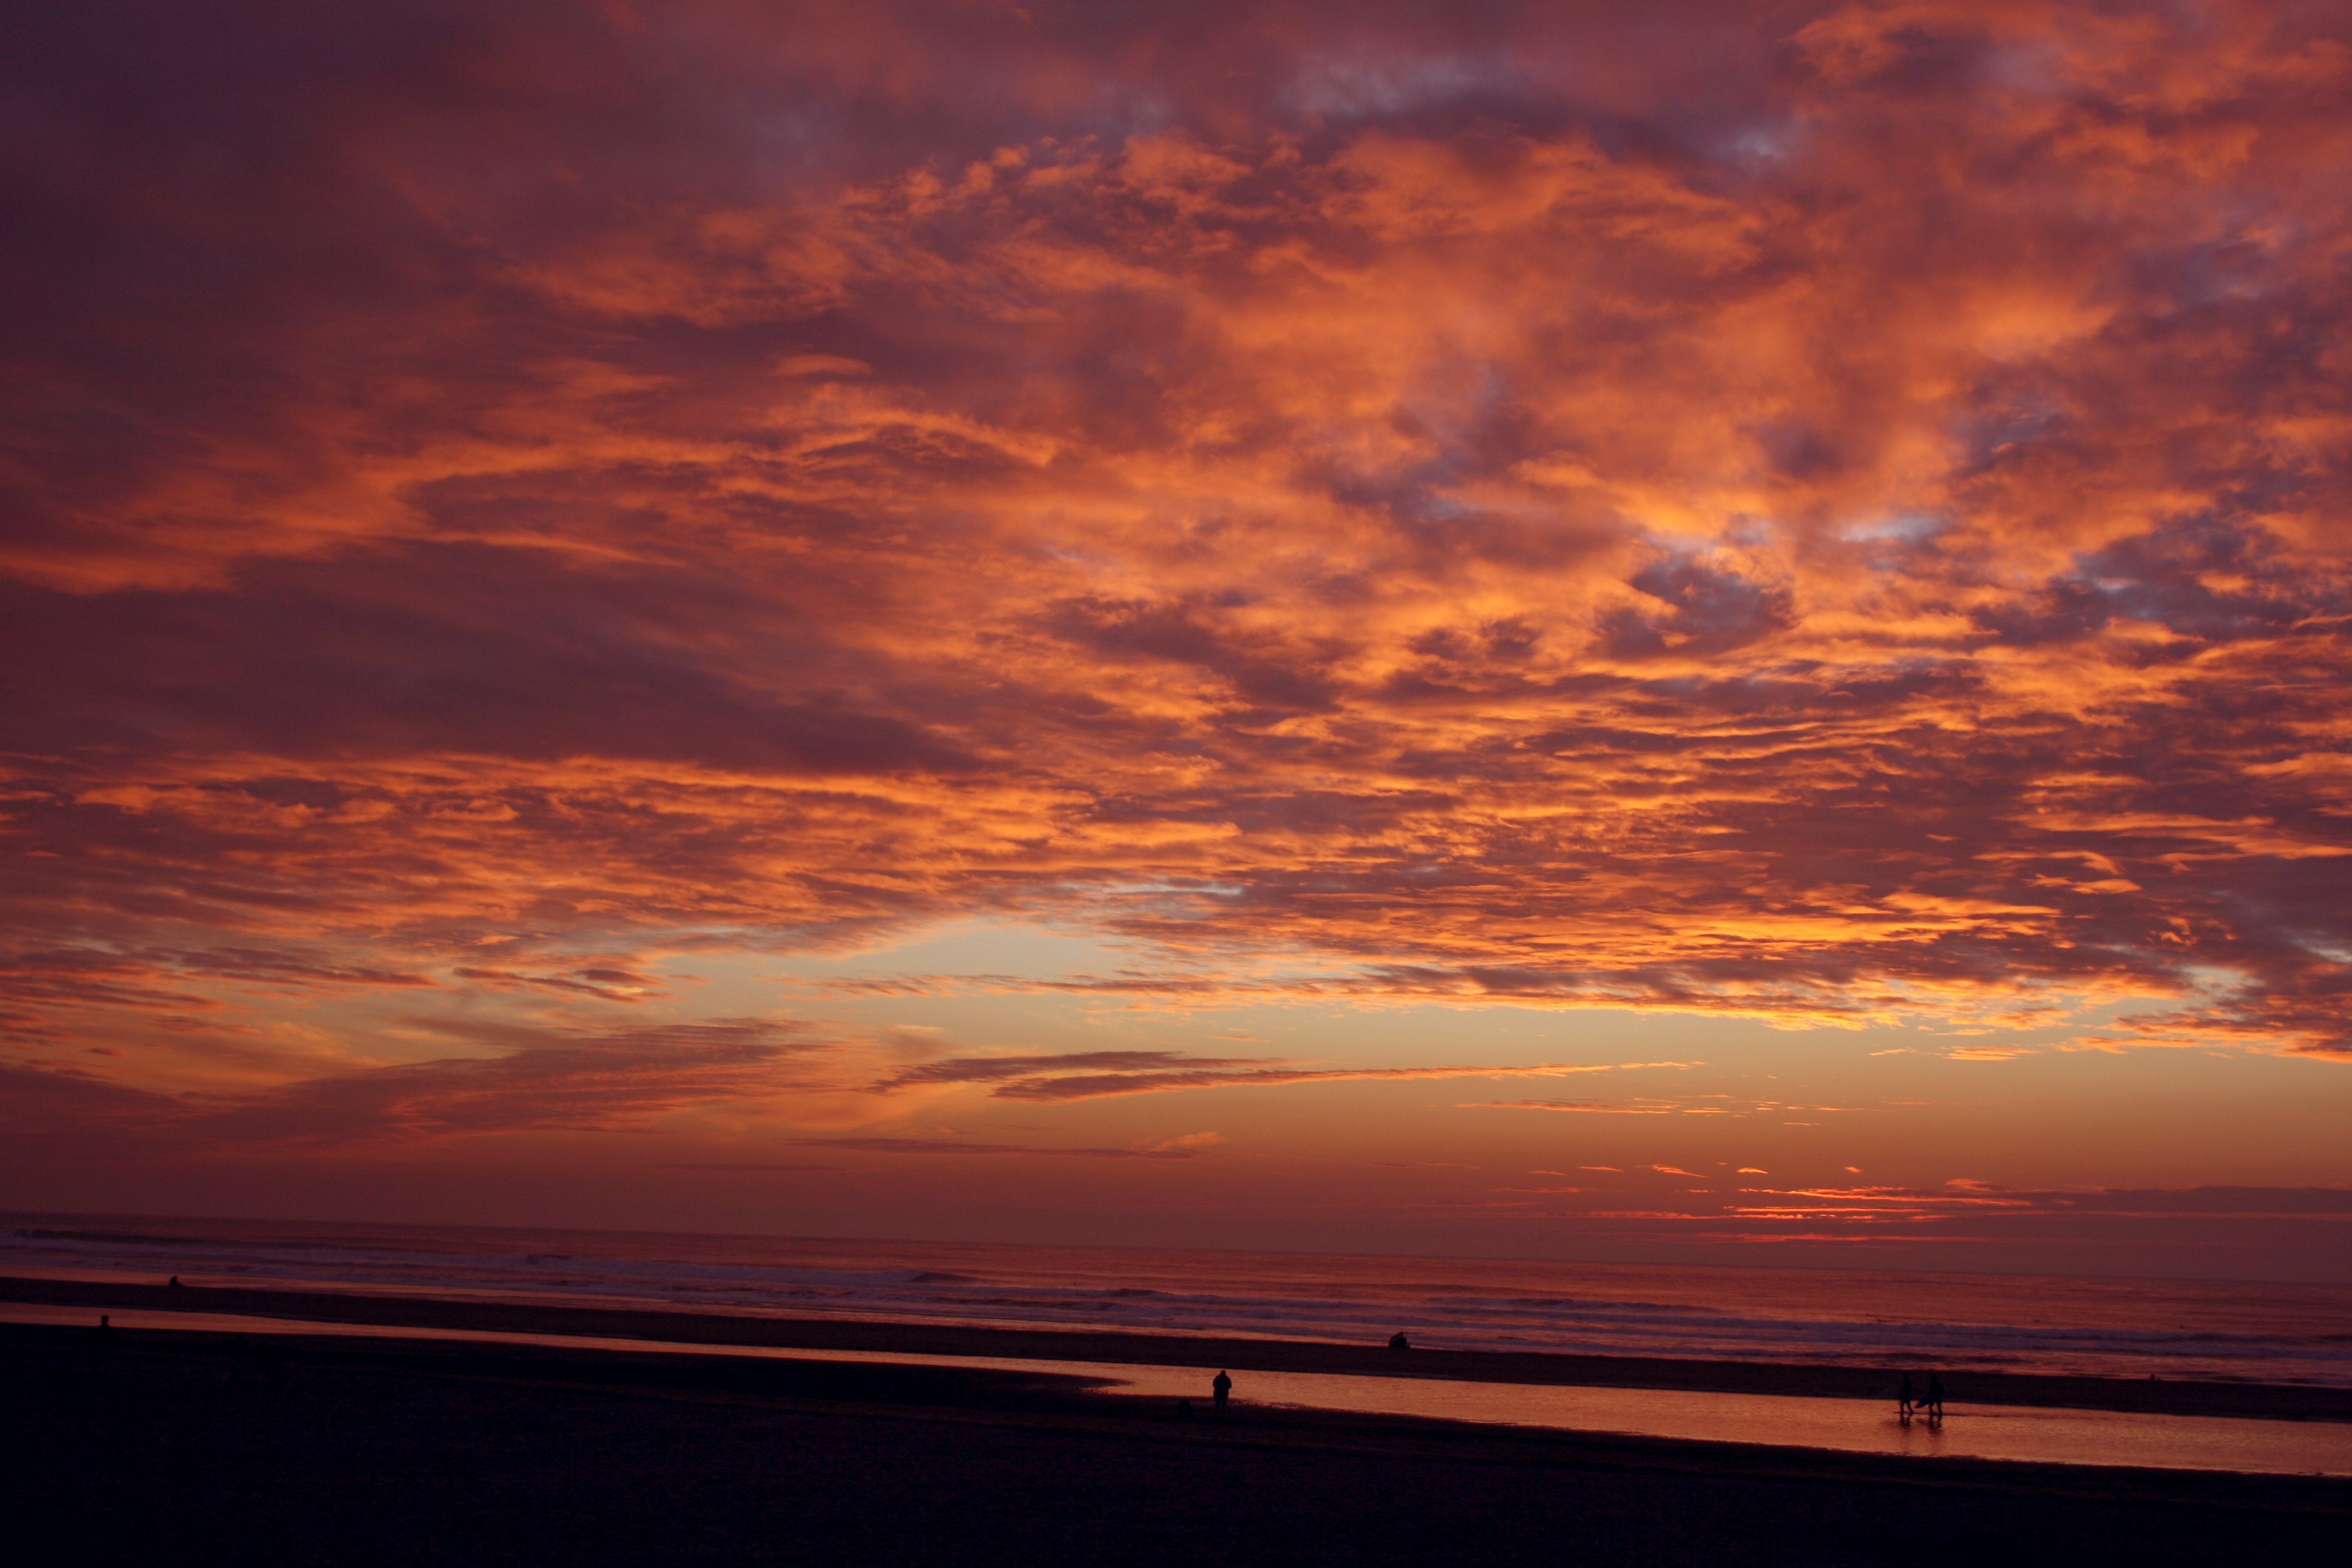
1984 1432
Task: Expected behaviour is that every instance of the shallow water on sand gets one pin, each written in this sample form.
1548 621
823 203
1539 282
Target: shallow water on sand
1984 1432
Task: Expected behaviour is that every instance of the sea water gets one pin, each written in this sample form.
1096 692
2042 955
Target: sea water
2222 1330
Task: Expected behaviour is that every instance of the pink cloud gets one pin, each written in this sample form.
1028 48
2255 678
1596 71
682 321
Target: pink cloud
1827 515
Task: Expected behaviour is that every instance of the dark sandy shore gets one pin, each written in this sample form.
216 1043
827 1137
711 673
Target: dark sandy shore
2269 1401
153 1446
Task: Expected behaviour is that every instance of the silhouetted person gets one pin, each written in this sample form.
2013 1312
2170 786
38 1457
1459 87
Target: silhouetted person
1934 1403
1397 1342
1906 1398
1222 1388
175 1282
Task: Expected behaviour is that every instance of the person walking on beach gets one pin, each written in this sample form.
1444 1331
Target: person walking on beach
1933 1404
1906 1398
1222 1387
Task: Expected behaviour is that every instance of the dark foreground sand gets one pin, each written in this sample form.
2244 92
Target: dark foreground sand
172 1449
2269 1401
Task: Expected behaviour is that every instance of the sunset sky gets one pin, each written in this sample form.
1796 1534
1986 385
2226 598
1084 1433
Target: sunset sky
1626 631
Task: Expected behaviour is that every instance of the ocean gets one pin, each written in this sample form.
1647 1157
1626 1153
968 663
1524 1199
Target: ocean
2224 1331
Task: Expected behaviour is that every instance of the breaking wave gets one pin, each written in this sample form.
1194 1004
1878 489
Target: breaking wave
2270 1333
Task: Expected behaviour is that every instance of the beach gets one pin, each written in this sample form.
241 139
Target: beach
2168 1396
141 1446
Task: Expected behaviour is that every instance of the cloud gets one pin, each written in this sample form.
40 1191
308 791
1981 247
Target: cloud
1192 1141
1594 1107
1726 1105
1066 1078
959 1146
532 1081
1450 508
1913 1206
999 1070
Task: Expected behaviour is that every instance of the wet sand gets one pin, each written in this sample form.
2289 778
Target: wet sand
2035 1434
176 1447
2262 1400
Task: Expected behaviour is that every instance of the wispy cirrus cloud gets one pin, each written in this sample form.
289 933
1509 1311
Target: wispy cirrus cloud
878 1145
1098 1075
516 1080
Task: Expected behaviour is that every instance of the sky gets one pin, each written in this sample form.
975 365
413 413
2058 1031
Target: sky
1681 632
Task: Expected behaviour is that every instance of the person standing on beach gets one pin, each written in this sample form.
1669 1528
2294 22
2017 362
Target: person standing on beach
1222 1387
1905 1398
1934 1403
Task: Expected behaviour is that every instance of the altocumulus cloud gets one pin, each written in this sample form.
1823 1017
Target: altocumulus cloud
1829 512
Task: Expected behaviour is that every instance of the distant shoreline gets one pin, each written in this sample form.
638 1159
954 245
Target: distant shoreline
2274 1401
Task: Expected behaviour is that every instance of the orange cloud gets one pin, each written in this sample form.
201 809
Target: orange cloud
1096 1075
1441 509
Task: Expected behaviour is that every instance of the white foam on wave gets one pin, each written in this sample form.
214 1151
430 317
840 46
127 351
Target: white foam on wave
2171 1329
